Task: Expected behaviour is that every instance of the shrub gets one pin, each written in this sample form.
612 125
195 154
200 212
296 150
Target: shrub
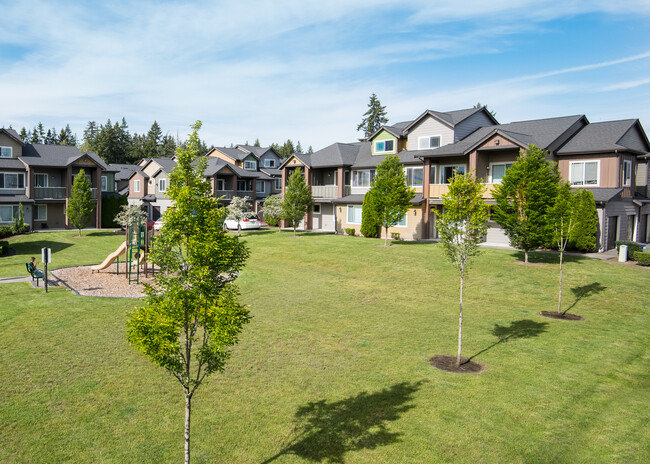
395 236
632 247
370 222
5 231
642 258
350 231
111 206
4 248
583 235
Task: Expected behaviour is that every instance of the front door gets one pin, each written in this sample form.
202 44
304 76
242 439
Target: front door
612 232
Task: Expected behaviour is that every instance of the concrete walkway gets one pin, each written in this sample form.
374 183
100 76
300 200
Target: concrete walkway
11 280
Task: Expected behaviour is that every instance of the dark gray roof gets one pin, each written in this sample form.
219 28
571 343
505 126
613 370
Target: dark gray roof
603 195
167 164
337 154
450 117
235 153
397 129
599 137
13 134
123 171
542 132
273 172
11 163
138 170
257 151
36 154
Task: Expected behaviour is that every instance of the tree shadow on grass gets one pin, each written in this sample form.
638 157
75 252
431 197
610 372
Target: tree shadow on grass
34 248
524 328
101 233
326 431
548 257
585 291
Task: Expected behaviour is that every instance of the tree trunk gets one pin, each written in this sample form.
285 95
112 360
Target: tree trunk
386 238
238 229
294 231
559 303
188 410
460 323
526 256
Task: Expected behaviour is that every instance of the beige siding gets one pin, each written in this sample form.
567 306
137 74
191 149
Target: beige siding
414 229
430 126
6 141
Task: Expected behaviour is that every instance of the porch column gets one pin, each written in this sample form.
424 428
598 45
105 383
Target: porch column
68 186
98 186
340 174
284 181
473 162
309 217
425 195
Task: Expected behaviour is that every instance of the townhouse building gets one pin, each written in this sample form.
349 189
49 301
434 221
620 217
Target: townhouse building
40 178
608 158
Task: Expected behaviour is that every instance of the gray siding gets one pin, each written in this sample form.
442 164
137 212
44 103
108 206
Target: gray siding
469 125
269 155
430 126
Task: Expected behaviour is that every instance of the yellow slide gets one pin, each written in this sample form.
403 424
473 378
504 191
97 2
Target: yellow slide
110 258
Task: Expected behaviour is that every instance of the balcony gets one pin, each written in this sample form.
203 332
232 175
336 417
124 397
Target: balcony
438 190
328 191
50 193
226 194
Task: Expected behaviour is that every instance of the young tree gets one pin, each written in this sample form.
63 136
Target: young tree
561 218
297 199
392 197
524 197
370 222
374 118
583 237
461 228
273 211
191 316
129 214
238 210
81 204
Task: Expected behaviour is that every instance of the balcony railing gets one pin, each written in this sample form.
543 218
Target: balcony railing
328 191
227 194
50 193
438 190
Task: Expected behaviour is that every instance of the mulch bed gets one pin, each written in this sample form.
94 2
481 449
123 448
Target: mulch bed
562 316
448 363
106 283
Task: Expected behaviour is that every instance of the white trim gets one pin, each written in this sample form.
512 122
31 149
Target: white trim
221 184
11 151
104 183
348 213
136 185
18 187
406 174
432 179
406 220
629 181
584 164
278 183
385 152
428 137
267 162
36 216
317 205
253 163
450 166
491 166
162 184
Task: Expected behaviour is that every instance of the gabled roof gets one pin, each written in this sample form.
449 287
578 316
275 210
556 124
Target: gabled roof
450 118
234 153
36 154
257 151
397 129
166 164
337 154
603 195
304 158
603 137
123 171
140 172
13 134
541 132
273 172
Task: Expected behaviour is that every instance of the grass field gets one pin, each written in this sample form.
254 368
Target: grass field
333 367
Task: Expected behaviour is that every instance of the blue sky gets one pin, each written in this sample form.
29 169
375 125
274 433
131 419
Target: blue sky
304 69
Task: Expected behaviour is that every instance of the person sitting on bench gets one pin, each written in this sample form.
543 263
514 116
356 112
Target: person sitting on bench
32 268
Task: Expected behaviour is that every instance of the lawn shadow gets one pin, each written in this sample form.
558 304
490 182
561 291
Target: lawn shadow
101 233
326 431
548 257
34 248
524 328
585 291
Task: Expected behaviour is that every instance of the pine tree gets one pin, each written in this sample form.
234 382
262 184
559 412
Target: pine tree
24 134
81 204
66 137
310 151
370 222
298 147
392 195
90 137
34 138
297 199
51 137
374 118
523 198
583 237
167 147
151 146
257 143
41 133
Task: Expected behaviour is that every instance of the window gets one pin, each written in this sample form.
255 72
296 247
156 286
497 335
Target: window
447 172
278 183
584 172
259 186
136 186
428 142
12 180
162 185
432 174
317 209
354 214
40 180
362 178
8 213
221 184
414 177
250 165
5 152
384 146
245 185
402 221
269 163
627 173
41 213
497 171
104 183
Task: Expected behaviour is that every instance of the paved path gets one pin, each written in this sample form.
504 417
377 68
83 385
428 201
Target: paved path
11 280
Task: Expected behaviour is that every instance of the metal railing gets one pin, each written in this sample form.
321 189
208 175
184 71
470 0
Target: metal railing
227 194
54 193
328 191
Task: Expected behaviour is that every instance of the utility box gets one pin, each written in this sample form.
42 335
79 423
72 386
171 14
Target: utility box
622 253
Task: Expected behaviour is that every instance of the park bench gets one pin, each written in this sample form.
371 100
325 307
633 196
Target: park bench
36 274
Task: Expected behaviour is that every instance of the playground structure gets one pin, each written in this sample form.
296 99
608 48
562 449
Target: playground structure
136 248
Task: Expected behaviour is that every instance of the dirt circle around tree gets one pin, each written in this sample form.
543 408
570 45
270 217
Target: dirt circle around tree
561 316
448 363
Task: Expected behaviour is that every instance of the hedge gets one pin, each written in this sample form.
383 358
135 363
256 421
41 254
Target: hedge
632 247
642 258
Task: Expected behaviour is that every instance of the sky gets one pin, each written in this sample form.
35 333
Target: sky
304 69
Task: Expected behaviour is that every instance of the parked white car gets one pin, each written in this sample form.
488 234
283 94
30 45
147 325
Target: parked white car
158 224
251 222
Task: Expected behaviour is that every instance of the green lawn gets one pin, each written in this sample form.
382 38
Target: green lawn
333 367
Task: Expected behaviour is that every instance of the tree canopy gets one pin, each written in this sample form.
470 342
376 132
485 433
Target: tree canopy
373 118
297 200
81 204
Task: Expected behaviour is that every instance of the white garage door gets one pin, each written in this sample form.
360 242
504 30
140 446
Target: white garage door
496 235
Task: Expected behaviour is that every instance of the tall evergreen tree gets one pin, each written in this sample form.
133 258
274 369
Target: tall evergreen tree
167 147
298 147
151 144
523 198
257 143
51 137
392 197
34 137
297 199
374 118
41 132
81 204
24 134
66 137
583 236
90 137
310 151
